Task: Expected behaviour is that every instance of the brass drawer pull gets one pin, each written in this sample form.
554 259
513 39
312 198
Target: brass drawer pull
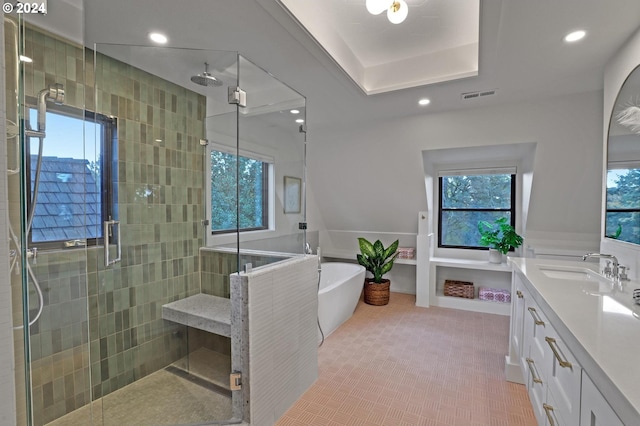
552 344
548 409
536 317
533 376
520 295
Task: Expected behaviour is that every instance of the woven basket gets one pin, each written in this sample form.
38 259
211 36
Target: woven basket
459 289
376 294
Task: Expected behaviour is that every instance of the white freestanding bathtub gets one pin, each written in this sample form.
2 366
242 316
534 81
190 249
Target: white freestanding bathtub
338 295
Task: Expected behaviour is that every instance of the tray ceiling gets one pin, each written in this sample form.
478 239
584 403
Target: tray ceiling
438 41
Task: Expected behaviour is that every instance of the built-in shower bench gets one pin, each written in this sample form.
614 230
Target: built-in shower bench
201 311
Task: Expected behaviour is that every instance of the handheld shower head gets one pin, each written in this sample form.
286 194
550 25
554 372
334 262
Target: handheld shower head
206 79
54 93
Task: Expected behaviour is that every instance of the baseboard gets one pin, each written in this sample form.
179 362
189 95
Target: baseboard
512 371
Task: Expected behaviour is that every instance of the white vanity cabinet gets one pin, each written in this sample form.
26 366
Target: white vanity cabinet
552 373
571 336
595 409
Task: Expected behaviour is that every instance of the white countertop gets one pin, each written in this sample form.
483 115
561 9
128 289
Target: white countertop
601 327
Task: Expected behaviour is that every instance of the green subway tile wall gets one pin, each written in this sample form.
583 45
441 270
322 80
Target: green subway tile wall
106 322
217 266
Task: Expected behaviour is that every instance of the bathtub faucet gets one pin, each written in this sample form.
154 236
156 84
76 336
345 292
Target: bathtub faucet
307 248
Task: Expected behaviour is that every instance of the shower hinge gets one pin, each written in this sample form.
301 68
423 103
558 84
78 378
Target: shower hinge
205 222
237 96
235 381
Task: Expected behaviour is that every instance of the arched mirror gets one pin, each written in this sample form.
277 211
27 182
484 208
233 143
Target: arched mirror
623 164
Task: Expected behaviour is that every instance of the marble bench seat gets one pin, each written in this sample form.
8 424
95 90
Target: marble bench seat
201 311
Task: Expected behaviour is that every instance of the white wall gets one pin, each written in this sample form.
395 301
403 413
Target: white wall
616 72
370 177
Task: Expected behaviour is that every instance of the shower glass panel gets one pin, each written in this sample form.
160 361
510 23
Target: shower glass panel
146 369
271 180
124 164
17 213
50 182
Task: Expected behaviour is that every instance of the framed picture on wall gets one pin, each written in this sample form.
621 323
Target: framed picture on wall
292 194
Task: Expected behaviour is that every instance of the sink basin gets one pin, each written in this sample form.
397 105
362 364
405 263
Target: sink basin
569 273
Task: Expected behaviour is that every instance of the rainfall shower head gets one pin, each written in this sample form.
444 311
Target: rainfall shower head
206 79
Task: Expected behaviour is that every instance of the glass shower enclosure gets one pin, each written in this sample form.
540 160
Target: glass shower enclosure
138 176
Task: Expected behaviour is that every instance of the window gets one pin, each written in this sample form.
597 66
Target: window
467 197
623 205
253 190
75 182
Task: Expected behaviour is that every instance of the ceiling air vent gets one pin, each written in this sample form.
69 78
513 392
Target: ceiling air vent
480 94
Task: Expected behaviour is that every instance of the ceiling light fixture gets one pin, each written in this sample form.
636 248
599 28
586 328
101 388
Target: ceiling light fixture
424 102
295 111
397 10
575 36
158 38
376 7
299 120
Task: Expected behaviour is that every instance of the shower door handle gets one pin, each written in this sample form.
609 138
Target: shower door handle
108 229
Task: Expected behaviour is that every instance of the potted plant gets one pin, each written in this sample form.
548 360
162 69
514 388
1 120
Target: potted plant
378 261
499 236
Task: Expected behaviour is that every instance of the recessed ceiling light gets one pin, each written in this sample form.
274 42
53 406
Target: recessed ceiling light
158 38
299 120
575 36
295 111
25 59
424 102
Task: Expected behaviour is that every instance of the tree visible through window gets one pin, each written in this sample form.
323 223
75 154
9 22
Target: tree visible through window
623 205
467 199
253 177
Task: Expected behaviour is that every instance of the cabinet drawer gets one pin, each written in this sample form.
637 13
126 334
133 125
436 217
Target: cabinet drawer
517 319
554 416
538 397
564 377
536 325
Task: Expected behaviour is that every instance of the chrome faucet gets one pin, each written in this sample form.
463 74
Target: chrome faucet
307 248
614 274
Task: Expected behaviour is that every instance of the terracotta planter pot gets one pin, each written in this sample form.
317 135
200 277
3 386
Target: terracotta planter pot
376 294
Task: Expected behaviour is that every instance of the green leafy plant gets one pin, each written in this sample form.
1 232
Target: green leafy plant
377 259
499 235
616 234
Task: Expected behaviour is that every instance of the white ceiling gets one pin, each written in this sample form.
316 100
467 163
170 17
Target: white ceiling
437 42
521 49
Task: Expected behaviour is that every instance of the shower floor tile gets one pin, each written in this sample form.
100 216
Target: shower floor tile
404 365
162 398
210 365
